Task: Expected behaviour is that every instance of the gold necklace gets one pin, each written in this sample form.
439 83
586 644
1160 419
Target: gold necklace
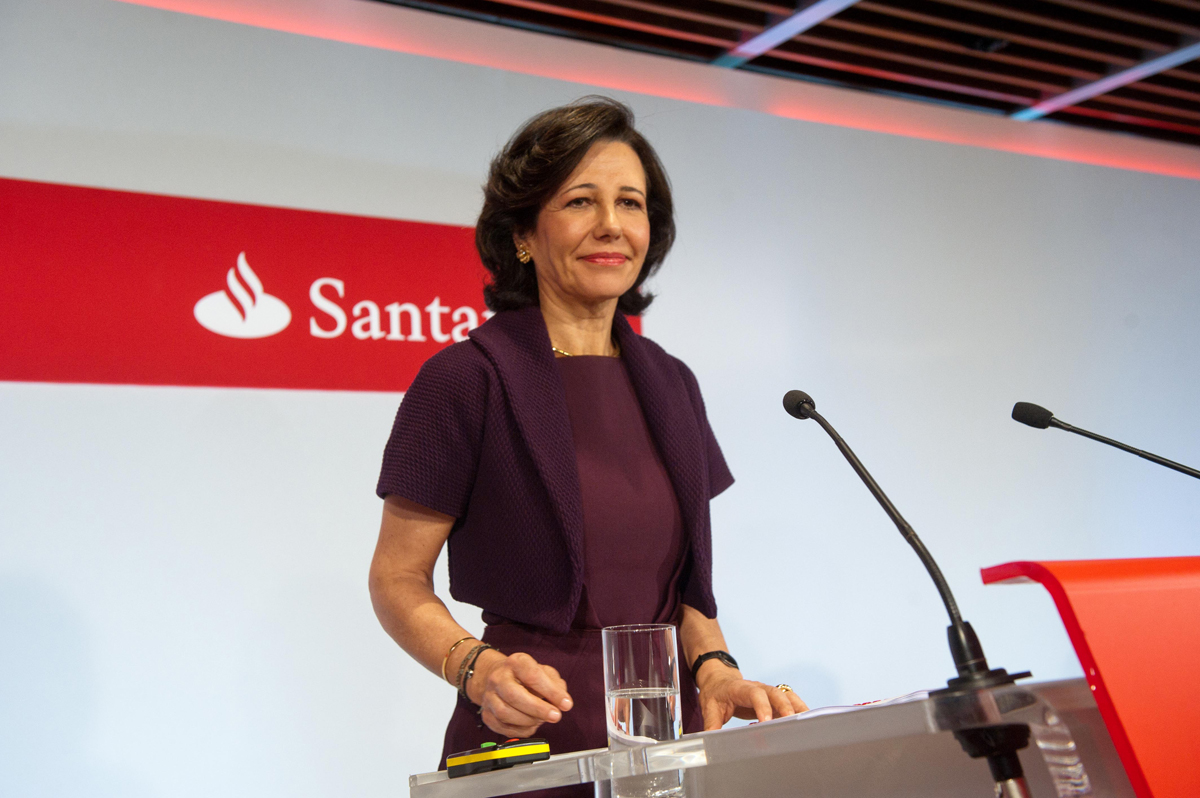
616 351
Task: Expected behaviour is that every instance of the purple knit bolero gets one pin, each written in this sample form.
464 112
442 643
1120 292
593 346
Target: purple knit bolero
483 435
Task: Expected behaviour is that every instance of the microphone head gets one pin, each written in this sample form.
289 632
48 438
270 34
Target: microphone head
1031 414
798 404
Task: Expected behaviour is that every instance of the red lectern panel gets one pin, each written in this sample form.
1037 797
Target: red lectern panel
1135 625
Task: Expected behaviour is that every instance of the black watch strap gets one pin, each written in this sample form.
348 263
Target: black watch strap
723 656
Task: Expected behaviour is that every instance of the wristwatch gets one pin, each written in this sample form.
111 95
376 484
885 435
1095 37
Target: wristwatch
723 656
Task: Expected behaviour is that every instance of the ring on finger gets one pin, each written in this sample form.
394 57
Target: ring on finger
784 688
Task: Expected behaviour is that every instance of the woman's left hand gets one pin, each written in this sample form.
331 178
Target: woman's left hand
725 694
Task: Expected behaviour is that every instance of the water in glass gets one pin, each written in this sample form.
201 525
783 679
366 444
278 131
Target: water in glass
641 681
644 712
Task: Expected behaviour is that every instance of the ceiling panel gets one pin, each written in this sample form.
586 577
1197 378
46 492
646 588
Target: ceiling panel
997 56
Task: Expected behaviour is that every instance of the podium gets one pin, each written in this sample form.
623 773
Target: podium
1129 729
900 748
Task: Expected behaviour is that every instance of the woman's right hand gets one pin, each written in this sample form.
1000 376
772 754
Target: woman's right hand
517 693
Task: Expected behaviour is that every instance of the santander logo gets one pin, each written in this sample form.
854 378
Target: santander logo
242 309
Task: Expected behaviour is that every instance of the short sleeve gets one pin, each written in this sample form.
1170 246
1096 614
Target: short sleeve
432 455
719 476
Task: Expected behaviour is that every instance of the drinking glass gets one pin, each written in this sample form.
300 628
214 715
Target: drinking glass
641 699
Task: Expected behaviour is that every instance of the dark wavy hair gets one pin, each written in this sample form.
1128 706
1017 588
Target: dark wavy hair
534 164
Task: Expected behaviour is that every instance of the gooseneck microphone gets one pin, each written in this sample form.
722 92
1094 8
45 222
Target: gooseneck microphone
998 743
1041 418
973 671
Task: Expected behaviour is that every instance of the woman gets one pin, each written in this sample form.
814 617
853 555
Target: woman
567 460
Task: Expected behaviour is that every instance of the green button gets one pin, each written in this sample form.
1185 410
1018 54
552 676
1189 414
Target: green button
488 745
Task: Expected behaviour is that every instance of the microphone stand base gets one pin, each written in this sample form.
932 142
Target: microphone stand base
999 745
1013 788
996 677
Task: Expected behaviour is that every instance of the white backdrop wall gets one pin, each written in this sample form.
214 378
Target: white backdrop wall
183 606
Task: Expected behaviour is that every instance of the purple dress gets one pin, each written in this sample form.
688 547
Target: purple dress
484 435
634 558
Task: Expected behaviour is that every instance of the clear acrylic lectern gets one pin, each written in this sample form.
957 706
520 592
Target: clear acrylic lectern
901 748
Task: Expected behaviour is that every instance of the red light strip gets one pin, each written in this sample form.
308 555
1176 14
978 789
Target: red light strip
422 33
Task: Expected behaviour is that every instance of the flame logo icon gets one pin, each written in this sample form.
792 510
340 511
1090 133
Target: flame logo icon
242 309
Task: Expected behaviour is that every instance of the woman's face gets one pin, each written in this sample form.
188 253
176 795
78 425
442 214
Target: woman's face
591 236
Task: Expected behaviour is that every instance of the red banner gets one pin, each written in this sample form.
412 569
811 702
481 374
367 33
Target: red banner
117 287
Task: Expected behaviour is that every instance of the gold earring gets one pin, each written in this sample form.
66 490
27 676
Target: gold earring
523 254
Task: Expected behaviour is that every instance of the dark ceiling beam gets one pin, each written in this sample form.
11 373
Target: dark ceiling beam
812 14
1044 43
1125 15
581 15
1167 91
1106 84
901 78
1130 120
946 46
1183 74
1044 21
684 14
777 9
1000 57
1037 86
1172 111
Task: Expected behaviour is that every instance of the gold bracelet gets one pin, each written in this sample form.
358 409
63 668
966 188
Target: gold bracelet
446 658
